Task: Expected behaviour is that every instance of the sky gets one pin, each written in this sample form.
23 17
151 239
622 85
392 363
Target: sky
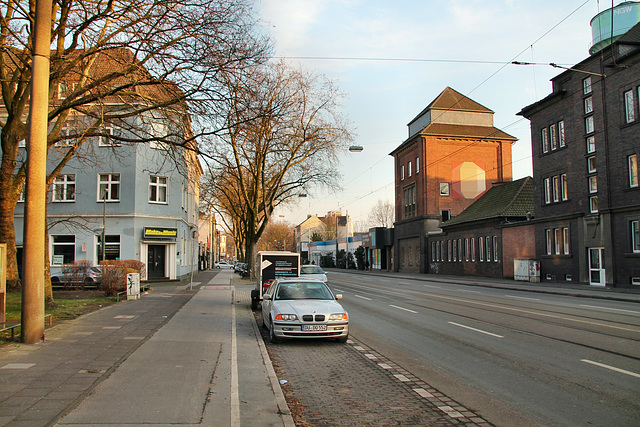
391 58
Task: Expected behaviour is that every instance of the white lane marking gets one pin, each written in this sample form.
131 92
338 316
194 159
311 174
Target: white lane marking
524 298
339 290
422 392
612 309
432 286
235 395
611 368
477 330
402 308
470 292
360 296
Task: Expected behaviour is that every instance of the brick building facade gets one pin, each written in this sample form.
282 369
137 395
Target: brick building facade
452 156
585 144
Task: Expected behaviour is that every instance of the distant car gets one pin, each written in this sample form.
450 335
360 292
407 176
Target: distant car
77 275
223 264
311 271
303 308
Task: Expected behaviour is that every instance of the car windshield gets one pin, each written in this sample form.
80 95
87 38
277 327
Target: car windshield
289 291
311 269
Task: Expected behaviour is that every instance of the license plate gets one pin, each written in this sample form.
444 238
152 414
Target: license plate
314 327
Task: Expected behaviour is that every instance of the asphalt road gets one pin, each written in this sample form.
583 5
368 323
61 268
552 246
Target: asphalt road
512 357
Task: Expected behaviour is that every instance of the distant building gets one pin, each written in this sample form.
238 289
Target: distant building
586 144
452 156
325 228
489 235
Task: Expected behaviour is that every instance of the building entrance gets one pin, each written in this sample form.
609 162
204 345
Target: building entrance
156 255
597 275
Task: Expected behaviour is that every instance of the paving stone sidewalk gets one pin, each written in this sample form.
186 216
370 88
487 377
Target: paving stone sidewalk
352 385
40 383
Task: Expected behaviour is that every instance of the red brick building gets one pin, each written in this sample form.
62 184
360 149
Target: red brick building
452 156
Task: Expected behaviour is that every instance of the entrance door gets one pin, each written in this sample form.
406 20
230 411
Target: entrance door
155 261
597 275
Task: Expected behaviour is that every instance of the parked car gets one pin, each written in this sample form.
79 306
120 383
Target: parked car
303 308
311 271
223 264
77 275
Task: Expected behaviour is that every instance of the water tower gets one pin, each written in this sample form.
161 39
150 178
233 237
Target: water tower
609 25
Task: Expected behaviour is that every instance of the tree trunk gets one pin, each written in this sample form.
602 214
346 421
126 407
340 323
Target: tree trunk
8 201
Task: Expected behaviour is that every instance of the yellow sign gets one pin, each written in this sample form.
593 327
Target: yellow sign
160 232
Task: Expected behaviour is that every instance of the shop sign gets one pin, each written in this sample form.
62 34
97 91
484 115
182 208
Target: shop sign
160 233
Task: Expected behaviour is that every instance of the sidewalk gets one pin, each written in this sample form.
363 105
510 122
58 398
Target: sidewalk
175 357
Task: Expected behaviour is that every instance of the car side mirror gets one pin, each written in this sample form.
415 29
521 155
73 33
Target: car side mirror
267 297
339 296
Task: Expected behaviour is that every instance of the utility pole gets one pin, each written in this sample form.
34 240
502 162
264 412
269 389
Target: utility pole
35 216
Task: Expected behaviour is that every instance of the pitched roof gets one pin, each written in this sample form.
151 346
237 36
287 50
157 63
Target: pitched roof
506 200
485 132
450 99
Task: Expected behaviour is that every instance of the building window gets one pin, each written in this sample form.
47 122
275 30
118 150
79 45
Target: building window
449 250
588 105
635 236
157 189
111 246
554 136
586 86
402 173
547 190
67 136
591 144
593 184
409 199
495 248
409 168
433 251
445 214
466 249
548 241
545 140
593 204
481 249
556 189
444 189
442 250
588 125
565 240
633 170
561 140
564 187
455 250
629 107
64 188
488 247
591 164
556 233
460 250
417 165
108 135
63 249
109 187
473 249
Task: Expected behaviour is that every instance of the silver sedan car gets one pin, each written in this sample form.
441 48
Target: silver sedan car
303 308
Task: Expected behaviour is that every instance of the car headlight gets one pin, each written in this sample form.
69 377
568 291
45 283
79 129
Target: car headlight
338 316
288 317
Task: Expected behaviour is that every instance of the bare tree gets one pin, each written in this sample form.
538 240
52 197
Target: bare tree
284 134
278 235
382 214
117 64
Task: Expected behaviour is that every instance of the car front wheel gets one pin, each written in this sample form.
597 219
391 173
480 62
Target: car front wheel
272 336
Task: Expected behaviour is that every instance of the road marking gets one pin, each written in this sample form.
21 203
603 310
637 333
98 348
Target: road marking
235 395
402 378
423 393
360 296
432 286
477 330
612 309
339 290
611 368
470 292
450 411
384 366
524 298
402 308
